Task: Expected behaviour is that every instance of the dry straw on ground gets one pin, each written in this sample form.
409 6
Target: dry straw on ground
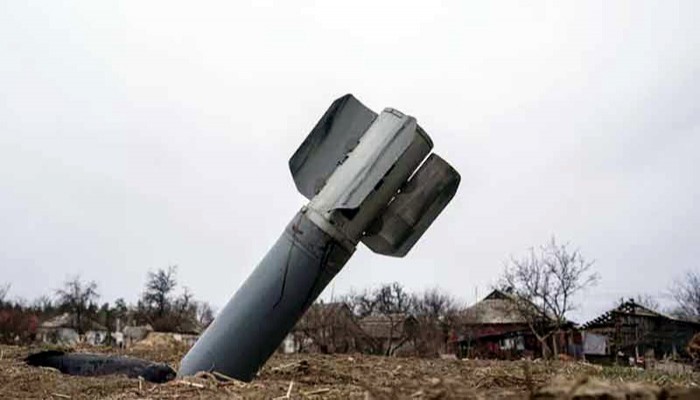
306 376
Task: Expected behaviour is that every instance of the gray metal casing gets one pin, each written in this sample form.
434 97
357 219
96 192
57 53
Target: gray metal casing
269 303
363 176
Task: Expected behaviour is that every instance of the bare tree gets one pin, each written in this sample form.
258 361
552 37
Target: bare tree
327 328
184 304
542 286
157 298
435 313
315 329
686 292
205 314
78 297
184 313
162 309
434 303
361 303
393 303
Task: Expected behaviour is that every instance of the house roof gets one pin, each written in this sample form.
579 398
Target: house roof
496 308
66 320
385 326
630 308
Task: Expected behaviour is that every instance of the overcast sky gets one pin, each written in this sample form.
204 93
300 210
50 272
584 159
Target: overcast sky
144 134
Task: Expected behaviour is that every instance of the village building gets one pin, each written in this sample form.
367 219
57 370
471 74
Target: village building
389 334
333 328
60 330
188 333
632 331
494 328
165 339
134 333
324 328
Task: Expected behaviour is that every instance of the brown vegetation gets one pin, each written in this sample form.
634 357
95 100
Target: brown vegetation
313 376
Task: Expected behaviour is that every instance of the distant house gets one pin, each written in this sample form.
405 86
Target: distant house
495 328
333 328
167 339
133 334
324 328
60 330
388 334
632 330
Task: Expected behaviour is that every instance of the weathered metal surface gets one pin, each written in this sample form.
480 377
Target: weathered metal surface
379 148
354 167
414 209
268 304
386 188
337 133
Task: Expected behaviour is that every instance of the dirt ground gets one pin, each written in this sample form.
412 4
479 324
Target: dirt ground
306 376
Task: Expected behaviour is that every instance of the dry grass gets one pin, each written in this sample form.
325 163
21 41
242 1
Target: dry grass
307 376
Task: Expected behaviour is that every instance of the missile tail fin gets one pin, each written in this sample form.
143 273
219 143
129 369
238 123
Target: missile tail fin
335 134
413 209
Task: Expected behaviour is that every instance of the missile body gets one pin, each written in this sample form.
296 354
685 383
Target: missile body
278 292
367 178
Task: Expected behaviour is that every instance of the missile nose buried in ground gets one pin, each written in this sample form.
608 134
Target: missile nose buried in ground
369 178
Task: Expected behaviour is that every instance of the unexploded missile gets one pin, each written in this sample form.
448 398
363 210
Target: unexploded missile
369 178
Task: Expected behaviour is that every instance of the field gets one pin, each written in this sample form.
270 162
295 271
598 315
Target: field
306 376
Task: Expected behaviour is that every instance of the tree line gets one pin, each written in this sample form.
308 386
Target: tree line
544 284
160 305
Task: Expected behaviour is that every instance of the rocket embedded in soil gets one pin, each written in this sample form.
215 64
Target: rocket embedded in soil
369 178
